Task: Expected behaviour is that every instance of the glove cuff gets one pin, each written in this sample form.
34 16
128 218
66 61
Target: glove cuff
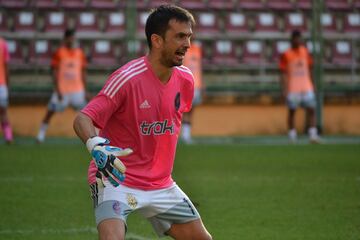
94 141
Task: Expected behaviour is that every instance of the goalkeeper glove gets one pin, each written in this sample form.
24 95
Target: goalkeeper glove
105 158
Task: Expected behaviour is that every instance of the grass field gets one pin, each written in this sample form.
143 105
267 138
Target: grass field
243 191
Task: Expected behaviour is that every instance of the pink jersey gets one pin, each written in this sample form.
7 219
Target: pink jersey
134 109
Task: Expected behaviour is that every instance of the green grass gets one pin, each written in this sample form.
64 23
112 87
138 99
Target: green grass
244 191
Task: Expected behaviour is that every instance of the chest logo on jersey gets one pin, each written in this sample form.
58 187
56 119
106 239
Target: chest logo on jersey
177 101
157 128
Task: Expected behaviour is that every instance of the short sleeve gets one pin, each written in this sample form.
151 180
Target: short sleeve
283 62
188 94
55 59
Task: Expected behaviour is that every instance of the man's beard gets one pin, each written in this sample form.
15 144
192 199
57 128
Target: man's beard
167 61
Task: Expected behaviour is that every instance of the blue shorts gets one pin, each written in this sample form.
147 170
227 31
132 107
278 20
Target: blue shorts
4 96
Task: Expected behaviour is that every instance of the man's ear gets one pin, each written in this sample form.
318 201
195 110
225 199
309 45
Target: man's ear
156 40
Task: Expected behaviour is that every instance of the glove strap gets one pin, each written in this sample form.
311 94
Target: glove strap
94 141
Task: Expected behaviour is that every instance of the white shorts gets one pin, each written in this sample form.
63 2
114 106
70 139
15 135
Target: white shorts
4 96
197 100
305 99
162 207
76 100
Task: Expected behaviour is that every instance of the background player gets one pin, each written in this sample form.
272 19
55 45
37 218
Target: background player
69 75
141 107
4 94
193 60
297 85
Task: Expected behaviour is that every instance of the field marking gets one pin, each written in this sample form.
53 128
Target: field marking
47 231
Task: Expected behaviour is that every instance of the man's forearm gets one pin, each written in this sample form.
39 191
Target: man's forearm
84 127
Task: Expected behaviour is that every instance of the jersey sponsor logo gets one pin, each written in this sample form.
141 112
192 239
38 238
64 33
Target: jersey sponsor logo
145 105
157 127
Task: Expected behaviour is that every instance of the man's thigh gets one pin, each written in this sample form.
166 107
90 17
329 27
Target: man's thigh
190 230
111 229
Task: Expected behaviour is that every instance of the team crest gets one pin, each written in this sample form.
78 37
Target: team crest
132 202
177 101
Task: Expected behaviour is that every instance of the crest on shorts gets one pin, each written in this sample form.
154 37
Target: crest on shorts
116 207
132 202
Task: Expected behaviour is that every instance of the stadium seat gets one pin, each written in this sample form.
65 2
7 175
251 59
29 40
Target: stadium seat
207 23
295 21
251 5
224 53
55 22
25 22
104 4
193 4
342 53
352 23
87 22
221 5
356 4
304 4
339 5
279 48
277 5
17 56
44 4
16 4
3 23
236 23
72 4
142 17
265 22
328 22
156 3
142 4
103 54
115 22
252 52
40 53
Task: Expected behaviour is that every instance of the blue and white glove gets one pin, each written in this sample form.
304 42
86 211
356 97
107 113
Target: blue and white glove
105 158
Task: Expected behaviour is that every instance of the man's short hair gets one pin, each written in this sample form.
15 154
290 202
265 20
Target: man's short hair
295 34
69 33
158 20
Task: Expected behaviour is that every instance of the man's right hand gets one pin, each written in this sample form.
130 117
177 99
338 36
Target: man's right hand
105 158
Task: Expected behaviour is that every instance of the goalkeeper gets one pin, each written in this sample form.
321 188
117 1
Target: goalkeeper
139 112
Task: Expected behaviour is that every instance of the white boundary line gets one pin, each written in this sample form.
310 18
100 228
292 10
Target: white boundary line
58 231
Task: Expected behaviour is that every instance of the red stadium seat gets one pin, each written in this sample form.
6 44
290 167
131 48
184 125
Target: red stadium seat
304 4
103 54
157 3
72 4
221 5
142 4
253 52
193 4
40 53
44 4
265 22
356 4
18 4
87 22
224 53
236 23
328 22
342 53
55 22
207 23
251 5
352 23
295 21
115 23
103 4
340 5
17 57
280 5
3 23
25 22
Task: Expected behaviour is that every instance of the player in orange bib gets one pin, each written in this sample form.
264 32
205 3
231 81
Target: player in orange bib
4 96
68 68
193 60
295 65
